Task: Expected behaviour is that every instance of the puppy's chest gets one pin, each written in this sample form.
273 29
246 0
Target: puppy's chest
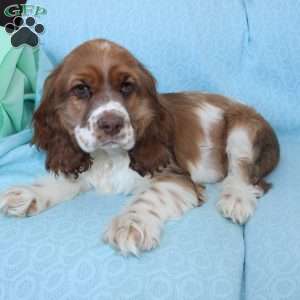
110 174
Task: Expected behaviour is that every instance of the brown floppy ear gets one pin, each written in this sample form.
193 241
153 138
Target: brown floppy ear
154 138
63 153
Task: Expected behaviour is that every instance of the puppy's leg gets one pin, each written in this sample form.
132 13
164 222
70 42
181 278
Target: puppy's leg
139 226
239 195
32 199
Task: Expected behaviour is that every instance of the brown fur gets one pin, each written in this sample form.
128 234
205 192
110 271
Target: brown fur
63 153
182 180
188 132
166 126
60 111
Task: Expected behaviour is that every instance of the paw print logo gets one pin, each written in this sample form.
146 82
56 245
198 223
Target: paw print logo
24 33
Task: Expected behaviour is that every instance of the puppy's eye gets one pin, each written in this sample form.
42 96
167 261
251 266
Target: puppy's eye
82 91
127 88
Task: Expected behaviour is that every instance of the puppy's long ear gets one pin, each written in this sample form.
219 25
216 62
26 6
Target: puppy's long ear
63 153
154 133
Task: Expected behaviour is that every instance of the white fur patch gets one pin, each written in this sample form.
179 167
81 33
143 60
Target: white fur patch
110 173
238 199
209 116
87 138
16 201
109 106
239 144
43 194
205 170
239 147
104 45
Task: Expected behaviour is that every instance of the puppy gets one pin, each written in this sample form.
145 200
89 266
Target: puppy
103 125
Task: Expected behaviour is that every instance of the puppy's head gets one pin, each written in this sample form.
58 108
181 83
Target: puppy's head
99 97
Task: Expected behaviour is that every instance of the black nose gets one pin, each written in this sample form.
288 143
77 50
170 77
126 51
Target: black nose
110 123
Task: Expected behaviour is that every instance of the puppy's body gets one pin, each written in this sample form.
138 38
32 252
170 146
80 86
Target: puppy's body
101 119
217 138
210 131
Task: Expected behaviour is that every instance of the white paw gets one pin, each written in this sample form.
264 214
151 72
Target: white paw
20 201
238 201
129 234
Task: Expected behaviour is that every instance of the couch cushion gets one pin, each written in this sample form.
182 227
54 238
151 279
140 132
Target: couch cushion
59 254
272 236
245 49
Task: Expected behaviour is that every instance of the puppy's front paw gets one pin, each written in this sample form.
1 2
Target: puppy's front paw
236 208
129 234
238 201
20 201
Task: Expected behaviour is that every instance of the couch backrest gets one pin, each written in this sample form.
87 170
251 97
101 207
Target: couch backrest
249 50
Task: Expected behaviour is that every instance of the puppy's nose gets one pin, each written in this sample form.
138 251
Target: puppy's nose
111 123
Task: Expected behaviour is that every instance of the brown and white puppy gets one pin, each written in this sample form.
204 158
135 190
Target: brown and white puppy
101 114
213 138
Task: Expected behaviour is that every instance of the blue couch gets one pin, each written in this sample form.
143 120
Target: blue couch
248 50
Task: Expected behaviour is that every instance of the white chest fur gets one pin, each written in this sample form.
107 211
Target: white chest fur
111 174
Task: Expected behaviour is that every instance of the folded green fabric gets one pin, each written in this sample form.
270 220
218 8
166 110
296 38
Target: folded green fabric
18 72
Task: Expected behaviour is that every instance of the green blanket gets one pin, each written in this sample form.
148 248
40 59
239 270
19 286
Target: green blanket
18 72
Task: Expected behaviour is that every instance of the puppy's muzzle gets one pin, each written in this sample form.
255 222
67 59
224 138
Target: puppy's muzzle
110 123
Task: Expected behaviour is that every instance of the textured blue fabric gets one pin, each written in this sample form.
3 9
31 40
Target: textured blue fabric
245 49
13 141
59 254
272 235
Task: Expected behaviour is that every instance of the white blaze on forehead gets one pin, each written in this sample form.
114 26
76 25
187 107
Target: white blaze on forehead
108 107
104 45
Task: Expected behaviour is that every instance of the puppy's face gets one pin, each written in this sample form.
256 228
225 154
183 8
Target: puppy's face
100 97
104 96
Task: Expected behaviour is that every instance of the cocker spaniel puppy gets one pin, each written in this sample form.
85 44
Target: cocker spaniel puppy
103 125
